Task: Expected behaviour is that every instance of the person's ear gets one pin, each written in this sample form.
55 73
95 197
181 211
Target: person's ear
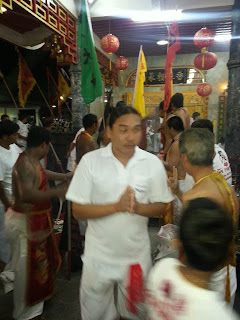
109 132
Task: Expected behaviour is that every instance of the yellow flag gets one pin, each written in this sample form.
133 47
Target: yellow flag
63 89
138 98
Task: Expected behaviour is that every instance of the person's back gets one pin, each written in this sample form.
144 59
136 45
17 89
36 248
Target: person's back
179 290
85 141
178 110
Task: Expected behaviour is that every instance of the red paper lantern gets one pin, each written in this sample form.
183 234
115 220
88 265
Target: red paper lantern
205 61
204 89
109 43
121 63
203 38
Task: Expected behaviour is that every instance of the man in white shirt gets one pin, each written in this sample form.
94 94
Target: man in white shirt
179 290
9 152
116 188
23 130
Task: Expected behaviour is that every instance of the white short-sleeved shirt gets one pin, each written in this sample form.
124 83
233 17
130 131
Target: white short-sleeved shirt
100 178
170 296
23 131
221 164
7 161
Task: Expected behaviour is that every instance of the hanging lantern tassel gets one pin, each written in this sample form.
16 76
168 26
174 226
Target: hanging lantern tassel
121 75
110 61
41 3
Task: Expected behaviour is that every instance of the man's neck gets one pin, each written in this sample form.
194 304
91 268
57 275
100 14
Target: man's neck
33 154
123 158
198 278
90 132
200 172
4 144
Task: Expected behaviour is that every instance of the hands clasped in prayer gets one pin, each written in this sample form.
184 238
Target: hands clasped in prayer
127 201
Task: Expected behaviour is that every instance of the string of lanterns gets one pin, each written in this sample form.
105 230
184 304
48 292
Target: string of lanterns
110 44
205 60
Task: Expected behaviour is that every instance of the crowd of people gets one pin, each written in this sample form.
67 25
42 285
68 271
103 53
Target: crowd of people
114 189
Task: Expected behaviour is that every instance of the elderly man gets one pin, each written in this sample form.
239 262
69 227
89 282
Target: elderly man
197 152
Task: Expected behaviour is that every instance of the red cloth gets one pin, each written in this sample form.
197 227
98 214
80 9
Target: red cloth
174 46
43 256
135 288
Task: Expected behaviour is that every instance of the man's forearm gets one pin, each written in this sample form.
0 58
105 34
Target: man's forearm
55 175
156 209
90 211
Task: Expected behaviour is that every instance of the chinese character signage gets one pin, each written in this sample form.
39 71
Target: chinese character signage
221 117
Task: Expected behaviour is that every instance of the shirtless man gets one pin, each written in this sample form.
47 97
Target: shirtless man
177 108
29 227
196 148
85 141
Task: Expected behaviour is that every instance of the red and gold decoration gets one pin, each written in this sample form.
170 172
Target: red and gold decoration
56 17
121 64
203 38
205 60
26 80
204 89
110 44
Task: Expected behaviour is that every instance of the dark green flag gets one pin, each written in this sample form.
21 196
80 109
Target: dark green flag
91 76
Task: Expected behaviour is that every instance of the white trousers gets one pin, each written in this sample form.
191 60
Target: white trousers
103 290
5 251
15 274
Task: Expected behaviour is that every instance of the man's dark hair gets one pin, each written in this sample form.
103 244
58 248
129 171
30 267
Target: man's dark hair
37 136
177 100
4 117
161 106
176 123
46 122
203 123
198 145
89 120
195 115
206 232
8 127
22 115
118 112
120 104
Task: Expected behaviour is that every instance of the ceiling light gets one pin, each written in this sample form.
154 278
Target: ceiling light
162 42
4 9
223 37
61 98
157 15
53 106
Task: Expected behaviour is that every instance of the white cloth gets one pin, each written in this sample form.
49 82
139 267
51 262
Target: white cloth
8 157
14 276
71 164
221 164
120 238
218 282
170 296
96 294
23 131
